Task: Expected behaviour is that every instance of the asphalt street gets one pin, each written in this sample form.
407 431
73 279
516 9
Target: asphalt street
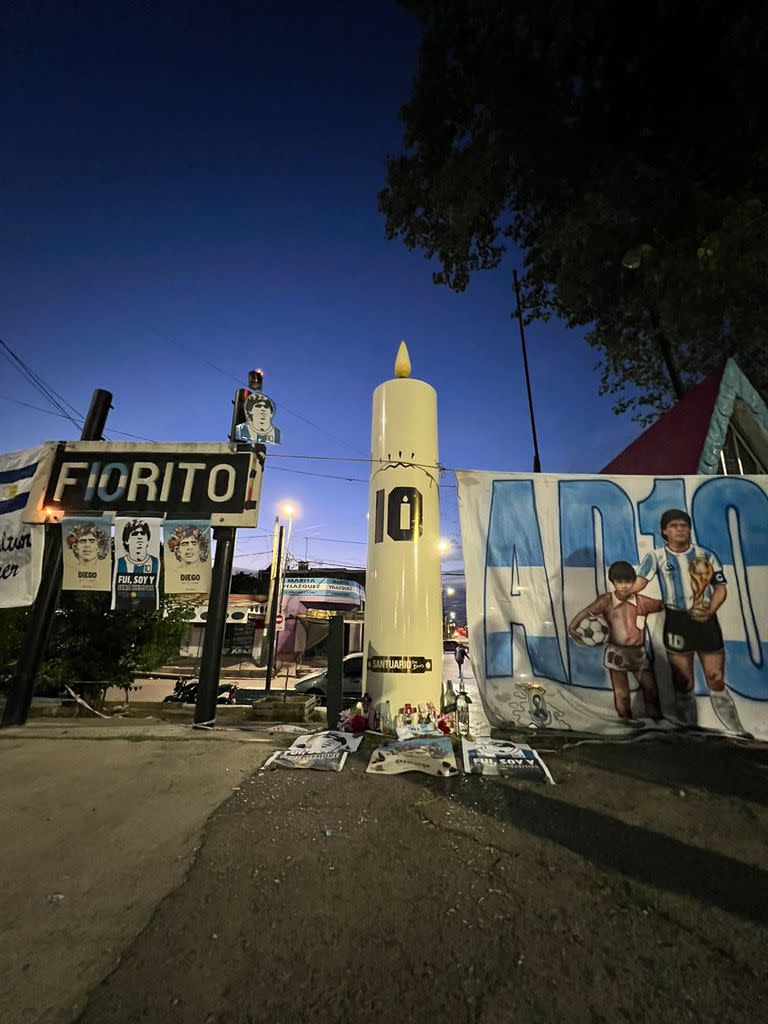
153 874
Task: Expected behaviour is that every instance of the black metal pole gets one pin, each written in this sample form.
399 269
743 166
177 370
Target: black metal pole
41 616
276 603
334 691
519 314
265 634
215 624
221 580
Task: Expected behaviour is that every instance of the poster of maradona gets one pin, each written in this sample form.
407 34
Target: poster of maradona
612 604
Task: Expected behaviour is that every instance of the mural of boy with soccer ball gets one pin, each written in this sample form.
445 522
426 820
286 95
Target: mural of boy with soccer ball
618 620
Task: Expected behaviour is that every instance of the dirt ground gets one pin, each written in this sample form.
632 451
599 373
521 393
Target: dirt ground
634 890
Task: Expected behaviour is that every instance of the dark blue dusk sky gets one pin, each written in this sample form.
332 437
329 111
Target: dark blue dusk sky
189 191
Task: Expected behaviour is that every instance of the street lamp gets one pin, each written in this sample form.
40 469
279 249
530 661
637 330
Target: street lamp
279 562
290 510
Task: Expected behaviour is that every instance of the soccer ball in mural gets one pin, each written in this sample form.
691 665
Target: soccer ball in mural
593 631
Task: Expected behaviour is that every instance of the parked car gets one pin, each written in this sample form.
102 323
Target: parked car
351 683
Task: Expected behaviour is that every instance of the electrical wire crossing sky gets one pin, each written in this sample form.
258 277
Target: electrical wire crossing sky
190 194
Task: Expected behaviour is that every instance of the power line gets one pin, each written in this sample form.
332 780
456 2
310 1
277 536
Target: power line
320 561
328 476
61 415
41 386
337 540
184 347
37 408
137 437
37 382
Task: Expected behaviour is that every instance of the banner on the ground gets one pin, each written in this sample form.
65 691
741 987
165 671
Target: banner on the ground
21 544
137 563
320 760
187 563
433 756
606 604
484 756
329 739
86 553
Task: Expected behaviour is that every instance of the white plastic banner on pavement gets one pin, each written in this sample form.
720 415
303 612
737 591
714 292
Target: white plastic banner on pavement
484 756
319 760
607 604
21 544
431 755
327 740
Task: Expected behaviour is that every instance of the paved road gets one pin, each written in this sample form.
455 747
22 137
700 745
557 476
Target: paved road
97 831
635 890
350 897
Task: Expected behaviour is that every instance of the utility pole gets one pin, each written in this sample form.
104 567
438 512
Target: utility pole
41 616
519 314
264 650
276 604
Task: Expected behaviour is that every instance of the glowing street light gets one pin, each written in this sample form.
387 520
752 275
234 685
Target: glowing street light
291 511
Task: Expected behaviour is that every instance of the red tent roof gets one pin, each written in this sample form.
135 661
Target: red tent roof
674 443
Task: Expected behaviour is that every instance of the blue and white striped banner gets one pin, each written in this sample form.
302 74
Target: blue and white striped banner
21 544
15 484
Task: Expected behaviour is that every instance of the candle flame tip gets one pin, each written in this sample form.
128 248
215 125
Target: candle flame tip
403 361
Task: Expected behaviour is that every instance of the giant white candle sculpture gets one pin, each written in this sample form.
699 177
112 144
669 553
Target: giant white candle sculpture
403 606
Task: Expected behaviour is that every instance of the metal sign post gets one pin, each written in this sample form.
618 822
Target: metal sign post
215 624
221 579
334 694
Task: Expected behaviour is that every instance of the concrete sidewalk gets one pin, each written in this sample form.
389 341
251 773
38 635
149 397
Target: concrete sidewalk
102 820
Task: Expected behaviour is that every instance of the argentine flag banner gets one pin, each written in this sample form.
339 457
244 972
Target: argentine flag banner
21 544
615 605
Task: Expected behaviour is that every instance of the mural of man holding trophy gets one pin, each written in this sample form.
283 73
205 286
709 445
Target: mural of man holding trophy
693 587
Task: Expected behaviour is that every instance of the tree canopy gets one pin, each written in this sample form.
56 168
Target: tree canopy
624 150
90 641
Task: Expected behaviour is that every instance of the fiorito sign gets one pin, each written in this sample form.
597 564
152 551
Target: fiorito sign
316 588
215 482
